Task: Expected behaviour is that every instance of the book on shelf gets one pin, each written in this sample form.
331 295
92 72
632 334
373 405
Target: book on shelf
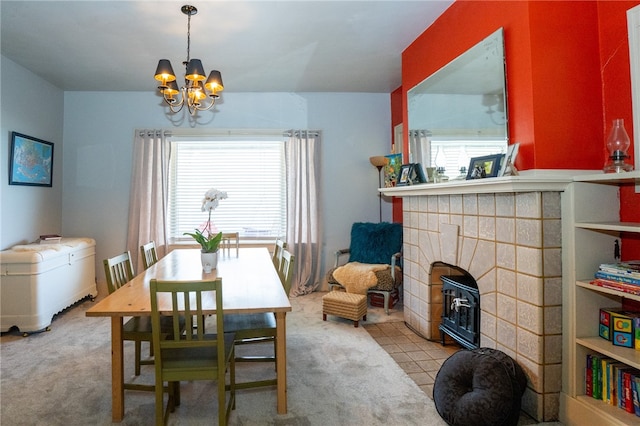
616 285
588 375
613 382
616 277
630 267
635 388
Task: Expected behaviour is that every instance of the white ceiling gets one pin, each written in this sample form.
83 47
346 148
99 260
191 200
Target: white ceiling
259 45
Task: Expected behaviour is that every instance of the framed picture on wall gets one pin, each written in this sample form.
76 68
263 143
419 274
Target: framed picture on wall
30 161
484 167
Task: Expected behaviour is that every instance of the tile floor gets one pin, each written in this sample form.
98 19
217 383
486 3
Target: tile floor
419 358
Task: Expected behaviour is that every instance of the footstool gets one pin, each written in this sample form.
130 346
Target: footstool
346 305
480 387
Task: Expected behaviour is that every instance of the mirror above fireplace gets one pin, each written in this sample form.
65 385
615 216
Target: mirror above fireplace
460 111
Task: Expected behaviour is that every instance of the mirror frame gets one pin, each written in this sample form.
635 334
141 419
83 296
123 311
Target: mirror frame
487 95
633 23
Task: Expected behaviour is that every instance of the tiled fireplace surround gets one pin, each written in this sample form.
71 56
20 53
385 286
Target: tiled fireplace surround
510 242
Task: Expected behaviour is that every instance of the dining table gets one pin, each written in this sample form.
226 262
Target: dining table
250 284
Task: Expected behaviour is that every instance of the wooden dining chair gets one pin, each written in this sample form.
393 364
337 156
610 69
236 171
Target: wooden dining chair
149 254
229 239
192 354
260 328
279 246
119 271
286 270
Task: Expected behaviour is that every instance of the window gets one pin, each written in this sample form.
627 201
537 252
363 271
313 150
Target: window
250 169
453 155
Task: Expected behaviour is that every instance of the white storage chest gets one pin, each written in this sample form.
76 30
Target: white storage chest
39 280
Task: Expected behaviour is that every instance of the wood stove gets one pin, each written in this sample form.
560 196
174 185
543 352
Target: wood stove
460 310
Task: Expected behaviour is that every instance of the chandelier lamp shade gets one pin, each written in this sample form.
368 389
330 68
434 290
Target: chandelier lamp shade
199 92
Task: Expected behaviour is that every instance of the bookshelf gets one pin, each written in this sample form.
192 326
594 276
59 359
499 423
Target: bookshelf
590 226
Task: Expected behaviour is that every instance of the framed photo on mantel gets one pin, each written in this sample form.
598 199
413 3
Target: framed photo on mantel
484 167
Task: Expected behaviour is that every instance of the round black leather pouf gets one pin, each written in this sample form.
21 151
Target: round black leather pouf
479 387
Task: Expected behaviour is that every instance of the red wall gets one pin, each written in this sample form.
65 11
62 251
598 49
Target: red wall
567 78
616 83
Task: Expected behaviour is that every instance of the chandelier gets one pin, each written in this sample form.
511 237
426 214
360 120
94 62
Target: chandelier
196 90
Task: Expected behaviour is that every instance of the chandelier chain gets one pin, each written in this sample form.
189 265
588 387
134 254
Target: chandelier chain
188 37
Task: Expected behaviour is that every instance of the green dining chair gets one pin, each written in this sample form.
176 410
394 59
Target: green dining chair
260 328
119 271
149 254
192 354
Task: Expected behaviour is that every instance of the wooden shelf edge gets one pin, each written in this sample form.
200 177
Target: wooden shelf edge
592 287
585 410
629 356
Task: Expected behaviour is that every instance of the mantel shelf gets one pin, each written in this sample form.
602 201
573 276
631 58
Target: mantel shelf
526 181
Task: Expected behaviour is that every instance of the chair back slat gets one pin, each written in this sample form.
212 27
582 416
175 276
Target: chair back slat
278 248
286 270
186 300
118 271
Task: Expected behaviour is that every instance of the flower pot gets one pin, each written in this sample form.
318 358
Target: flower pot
209 261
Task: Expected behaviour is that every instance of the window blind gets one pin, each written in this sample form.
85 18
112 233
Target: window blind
252 172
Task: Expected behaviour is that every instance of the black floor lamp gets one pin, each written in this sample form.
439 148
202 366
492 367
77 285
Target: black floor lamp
379 161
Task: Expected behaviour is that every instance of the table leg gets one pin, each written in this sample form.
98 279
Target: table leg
281 361
117 370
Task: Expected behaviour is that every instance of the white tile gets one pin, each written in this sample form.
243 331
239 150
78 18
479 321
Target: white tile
470 204
506 282
486 205
470 226
506 256
528 205
506 309
551 205
505 205
505 229
530 317
530 289
552 233
455 204
529 232
529 260
443 203
487 227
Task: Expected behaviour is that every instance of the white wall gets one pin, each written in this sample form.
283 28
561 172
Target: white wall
33 107
98 136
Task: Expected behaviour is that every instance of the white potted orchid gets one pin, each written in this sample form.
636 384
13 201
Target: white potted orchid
209 242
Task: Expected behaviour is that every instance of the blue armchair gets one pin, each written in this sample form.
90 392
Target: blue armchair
372 244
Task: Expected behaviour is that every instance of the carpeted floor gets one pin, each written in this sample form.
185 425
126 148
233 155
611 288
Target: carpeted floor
337 375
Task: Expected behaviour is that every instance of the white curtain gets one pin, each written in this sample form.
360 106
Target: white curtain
420 147
303 210
148 199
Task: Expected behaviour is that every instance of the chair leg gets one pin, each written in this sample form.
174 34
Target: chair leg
159 403
138 350
386 302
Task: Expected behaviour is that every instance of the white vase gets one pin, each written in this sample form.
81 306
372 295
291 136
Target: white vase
209 261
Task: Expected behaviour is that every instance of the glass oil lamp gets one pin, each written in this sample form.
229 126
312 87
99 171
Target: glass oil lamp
618 144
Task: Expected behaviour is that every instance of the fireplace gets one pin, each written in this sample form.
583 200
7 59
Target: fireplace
509 242
460 310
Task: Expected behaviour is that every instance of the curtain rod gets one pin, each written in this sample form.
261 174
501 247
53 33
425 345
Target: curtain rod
290 133
228 132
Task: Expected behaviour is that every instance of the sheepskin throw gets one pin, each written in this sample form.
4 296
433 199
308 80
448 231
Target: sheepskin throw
358 277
